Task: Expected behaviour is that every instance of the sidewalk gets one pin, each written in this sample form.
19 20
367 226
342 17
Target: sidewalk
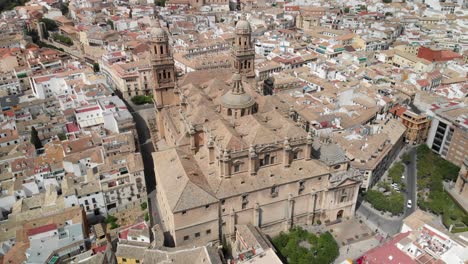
355 250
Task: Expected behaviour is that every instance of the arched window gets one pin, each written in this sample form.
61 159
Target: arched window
229 112
155 50
161 49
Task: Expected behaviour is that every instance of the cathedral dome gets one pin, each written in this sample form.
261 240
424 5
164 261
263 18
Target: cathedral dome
158 32
243 27
237 98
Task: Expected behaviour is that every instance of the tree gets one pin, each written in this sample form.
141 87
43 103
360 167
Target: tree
64 8
62 136
49 24
96 67
10 4
62 39
346 10
323 248
142 99
160 2
35 139
387 1
110 23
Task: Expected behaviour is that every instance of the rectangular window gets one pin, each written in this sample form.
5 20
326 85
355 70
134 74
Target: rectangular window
301 186
184 212
208 231
245 200
186 238
197 234
266 160
274 191
236 167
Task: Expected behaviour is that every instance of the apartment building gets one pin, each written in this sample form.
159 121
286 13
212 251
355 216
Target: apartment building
417 124
448 135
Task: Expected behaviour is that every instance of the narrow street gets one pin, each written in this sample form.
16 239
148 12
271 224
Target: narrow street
140 115
389 225
411 188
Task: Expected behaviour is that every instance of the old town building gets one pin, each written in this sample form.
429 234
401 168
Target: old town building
229 156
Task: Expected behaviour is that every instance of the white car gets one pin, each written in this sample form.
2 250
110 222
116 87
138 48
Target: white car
409 204
403 176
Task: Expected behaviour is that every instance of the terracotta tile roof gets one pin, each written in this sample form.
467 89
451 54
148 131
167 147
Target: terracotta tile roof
41 229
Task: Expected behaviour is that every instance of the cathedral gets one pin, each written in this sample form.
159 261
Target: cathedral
228 155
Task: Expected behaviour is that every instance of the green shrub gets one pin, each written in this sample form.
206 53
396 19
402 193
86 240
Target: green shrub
432 171
62 39
111 219
393 203
142 99
146 216
406 158
113 225
96 67
144 205
50 24
323 248
396 171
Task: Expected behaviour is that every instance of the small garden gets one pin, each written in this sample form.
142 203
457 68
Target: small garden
62 39
432 171
395 173
111 221
387 200
142 99
300 246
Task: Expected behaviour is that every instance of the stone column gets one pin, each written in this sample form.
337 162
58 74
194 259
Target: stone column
312 208
289 213
211 150
354 198
308 150
232 223
192 134
286 153
221 163
252 160
227 164
256 215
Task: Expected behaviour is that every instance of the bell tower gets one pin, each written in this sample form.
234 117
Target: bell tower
162 64
242 49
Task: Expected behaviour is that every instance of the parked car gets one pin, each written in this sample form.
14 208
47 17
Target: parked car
409 204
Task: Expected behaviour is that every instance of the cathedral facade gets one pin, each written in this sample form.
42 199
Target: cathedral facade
228 155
